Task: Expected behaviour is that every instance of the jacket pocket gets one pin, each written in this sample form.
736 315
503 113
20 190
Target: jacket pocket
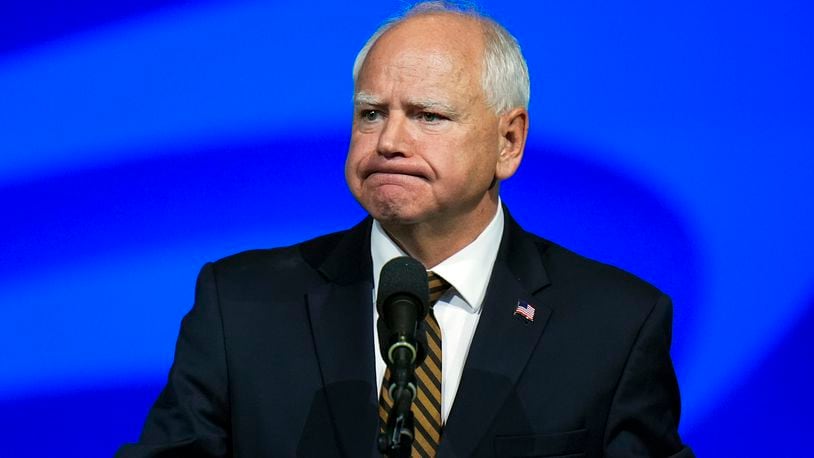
565 444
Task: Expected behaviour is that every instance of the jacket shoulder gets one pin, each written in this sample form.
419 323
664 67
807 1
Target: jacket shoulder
588 278
299 261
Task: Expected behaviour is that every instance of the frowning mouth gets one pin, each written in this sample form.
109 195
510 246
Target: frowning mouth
383 178
394 173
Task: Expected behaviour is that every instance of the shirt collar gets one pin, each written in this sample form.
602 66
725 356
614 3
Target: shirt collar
468 270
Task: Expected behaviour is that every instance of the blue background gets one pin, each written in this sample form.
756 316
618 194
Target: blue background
139 139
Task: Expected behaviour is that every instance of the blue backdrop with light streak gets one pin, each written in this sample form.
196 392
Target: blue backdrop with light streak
139 139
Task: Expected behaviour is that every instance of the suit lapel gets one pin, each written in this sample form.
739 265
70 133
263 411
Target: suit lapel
342 324
502 343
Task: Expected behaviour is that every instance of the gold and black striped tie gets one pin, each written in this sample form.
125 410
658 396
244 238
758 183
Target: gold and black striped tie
427 406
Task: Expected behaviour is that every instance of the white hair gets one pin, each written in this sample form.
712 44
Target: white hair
505 77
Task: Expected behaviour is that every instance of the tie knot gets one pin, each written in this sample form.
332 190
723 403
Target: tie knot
438 286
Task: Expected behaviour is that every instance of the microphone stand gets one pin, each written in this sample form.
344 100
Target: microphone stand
397 439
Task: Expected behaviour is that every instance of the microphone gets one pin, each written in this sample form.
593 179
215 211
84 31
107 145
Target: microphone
402 302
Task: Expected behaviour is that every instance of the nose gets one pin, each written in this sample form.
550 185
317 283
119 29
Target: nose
394 138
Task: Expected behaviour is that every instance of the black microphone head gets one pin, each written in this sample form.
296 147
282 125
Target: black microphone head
403 278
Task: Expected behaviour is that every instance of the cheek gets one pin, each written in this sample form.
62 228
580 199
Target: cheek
351 171
360 153
356 155
478 158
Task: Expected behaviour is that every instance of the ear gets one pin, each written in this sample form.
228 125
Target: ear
513 128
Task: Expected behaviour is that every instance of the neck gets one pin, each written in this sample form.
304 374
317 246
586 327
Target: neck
433 241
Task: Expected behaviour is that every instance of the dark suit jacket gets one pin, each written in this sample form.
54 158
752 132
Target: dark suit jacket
276 359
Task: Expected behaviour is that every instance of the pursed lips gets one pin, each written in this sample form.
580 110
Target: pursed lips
395 173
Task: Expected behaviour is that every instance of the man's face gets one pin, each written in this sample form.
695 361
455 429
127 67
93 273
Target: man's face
425 144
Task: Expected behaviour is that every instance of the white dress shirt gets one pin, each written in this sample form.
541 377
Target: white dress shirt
458 310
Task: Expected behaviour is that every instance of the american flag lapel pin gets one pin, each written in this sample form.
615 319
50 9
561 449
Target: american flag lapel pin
525 311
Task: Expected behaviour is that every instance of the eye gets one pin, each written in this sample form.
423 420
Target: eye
429 117
371 115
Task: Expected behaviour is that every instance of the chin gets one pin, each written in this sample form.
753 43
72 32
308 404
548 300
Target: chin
392 216
390 212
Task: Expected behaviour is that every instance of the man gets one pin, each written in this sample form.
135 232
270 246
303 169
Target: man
544 353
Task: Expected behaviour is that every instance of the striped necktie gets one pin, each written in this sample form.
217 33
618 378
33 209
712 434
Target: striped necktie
427 406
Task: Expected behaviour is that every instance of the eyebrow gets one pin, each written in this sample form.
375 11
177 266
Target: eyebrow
363 98
432 105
